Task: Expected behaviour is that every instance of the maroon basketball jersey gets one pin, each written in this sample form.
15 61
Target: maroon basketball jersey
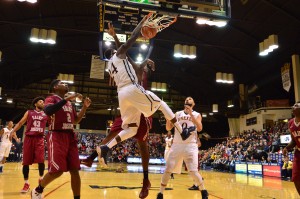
63 119
295 131
36 122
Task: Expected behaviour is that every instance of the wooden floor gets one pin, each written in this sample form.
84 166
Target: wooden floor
107 184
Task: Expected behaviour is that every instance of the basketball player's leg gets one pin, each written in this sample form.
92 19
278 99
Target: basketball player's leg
4 153
28 152
191 161
74 166
75 182
296 170
131 120
57 160
1 156
39 155
89 160
144 152
173 162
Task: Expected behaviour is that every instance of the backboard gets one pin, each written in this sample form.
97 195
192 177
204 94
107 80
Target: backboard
126 14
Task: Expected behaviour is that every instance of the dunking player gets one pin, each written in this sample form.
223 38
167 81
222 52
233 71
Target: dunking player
184 150
5 144
133 98
62 141
145 123
294 126
33 148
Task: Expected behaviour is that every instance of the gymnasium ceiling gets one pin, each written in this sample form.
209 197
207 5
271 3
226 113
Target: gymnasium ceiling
26 68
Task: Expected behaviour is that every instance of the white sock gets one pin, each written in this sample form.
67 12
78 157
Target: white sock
197 179
26 181
165 109
124 135
164 181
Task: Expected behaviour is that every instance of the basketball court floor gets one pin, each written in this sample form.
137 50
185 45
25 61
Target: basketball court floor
108 184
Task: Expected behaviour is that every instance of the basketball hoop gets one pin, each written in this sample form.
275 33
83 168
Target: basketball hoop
159 23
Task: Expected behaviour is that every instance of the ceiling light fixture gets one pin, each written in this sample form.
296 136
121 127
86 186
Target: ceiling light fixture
51 36
159 86
185 51
29 1
107 43
224 78
144 46
211 22
43 36
230 104
215 108
139 58
9 100
268 45
66 78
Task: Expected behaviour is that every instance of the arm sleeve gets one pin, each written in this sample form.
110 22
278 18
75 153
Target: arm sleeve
50 109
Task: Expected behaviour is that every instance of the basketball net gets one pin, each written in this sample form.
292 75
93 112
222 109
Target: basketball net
160 23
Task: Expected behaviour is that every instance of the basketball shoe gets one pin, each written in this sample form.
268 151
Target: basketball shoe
204 194
186 132
86 162
26 188
36 195
102 152
102 163
160 196
194 187
1 169
145 189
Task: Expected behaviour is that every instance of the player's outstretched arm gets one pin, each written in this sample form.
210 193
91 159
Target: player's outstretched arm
121 52
20 123
111 31
291 145
13 133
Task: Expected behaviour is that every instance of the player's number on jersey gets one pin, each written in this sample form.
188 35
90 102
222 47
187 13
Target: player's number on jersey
37 124
184 125
69 117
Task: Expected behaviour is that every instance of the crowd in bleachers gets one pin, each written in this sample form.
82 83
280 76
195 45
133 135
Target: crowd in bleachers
249 146
87 142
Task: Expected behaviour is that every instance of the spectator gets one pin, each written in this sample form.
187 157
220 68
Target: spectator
287 168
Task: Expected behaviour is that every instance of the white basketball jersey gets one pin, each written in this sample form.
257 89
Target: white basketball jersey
185 120
168 143
121 71
5 136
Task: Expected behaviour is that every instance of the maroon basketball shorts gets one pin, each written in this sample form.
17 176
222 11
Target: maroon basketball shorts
62 152
33 150
143 130
296 167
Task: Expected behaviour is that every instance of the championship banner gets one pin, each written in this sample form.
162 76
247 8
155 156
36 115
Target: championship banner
285 76
97 67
